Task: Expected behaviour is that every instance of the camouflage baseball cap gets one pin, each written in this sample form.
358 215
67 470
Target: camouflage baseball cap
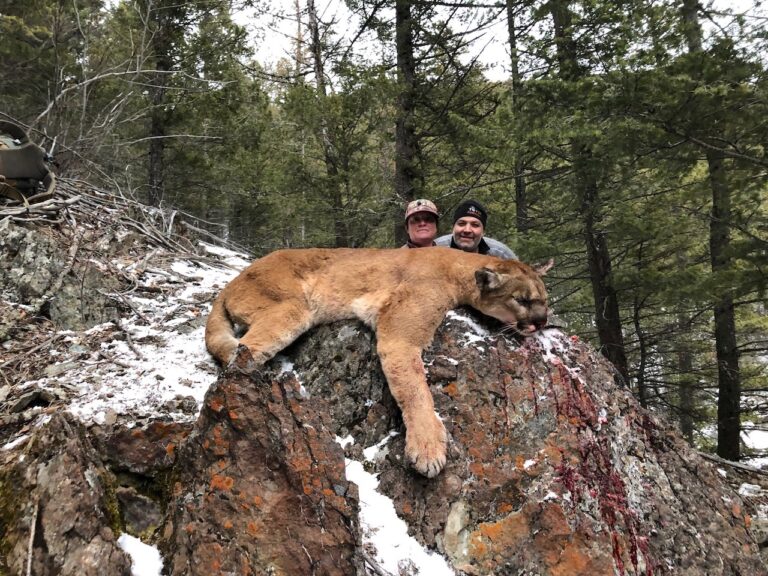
421 205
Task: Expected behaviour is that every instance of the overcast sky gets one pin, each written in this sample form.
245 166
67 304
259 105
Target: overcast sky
274 34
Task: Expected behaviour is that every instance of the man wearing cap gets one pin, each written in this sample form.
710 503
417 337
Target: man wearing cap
421 223
469 221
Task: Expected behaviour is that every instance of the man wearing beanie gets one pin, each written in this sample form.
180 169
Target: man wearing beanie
421 223
469 221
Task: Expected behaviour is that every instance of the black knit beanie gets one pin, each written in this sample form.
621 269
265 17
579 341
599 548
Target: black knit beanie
471 208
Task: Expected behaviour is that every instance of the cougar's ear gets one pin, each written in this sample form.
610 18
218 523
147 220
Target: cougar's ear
487 279
542 269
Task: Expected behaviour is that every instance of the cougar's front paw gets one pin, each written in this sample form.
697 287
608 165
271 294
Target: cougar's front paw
425 445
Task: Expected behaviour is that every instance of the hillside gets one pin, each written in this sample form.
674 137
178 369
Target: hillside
115 420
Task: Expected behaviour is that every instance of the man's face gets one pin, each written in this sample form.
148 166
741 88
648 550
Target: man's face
467 233
422 228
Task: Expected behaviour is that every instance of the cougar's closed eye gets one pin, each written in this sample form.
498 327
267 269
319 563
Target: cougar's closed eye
523 301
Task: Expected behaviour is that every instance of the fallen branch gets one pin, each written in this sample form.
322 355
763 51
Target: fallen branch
30 546
732 464
128 341
377 569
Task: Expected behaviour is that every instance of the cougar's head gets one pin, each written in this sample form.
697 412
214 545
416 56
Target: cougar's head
514 293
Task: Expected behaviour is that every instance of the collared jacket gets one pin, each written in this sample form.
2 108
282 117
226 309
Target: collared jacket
410 244
487 246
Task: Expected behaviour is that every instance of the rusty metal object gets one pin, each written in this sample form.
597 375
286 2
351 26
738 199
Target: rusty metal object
25 176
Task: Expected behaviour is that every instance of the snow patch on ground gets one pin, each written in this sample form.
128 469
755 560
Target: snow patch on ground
385 535
155 360
146 560
755 440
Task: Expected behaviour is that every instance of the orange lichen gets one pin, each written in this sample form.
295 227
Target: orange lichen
216 404
474 452
478 547
452 389
553 521
220 441
301 463
219 482
492 531
572 561
493 537
553 454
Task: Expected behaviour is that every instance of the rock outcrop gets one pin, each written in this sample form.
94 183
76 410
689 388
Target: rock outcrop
260 486
58 512
552 469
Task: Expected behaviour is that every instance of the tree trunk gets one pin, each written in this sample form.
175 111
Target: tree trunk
159 117
521 199
586 168
406 144
642 355
330 153
299 41
686 383
607 316
728 372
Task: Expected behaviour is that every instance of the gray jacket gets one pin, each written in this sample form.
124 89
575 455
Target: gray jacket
487 246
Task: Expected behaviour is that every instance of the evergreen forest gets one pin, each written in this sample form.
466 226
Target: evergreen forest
626 139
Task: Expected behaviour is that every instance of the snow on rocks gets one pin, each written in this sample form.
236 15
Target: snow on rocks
153 361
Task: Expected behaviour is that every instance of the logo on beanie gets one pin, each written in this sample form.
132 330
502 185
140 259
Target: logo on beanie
473 209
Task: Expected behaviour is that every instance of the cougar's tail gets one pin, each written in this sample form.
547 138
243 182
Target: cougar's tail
220 334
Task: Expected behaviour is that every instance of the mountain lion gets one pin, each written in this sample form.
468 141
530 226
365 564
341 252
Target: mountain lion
403 294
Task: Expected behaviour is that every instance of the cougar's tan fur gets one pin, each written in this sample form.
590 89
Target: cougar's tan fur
402 294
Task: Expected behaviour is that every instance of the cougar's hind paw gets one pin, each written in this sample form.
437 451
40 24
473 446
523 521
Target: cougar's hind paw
243 361
425 447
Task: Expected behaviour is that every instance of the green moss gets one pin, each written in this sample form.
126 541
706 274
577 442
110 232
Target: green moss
149 534
10 515
157 487
111 503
